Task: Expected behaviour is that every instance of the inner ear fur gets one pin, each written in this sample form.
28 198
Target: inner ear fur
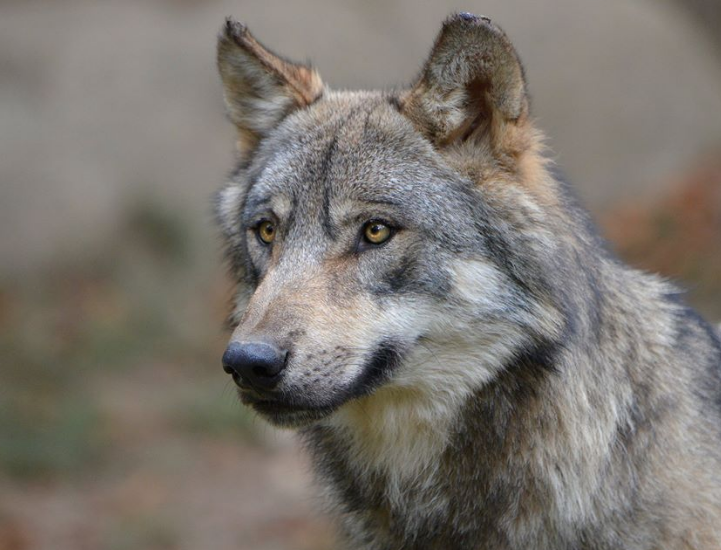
471 88
260 88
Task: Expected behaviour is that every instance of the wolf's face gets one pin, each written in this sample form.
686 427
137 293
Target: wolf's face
364 247
347 222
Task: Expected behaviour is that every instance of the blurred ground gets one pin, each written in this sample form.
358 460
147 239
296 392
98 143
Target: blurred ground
118 429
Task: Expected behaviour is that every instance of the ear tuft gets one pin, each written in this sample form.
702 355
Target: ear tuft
473 80
260 88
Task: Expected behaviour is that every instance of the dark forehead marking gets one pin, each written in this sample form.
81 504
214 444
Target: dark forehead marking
322 161
252 200
255 202
325 170
366 122
378 200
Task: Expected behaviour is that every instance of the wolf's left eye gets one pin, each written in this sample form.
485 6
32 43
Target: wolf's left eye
376 232
266 231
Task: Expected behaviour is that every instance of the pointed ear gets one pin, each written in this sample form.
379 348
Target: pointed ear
471 88
260 88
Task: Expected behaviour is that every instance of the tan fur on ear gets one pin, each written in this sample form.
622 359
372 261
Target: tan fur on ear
260 88
472 86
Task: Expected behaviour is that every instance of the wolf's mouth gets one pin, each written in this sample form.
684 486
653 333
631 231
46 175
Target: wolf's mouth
286 414
277 407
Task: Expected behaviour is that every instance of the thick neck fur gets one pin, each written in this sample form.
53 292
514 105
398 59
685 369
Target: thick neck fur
556 447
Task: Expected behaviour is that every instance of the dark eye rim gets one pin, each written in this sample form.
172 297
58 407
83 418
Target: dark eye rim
364 243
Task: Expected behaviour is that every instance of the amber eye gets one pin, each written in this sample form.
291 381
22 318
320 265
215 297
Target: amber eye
376 232
266 231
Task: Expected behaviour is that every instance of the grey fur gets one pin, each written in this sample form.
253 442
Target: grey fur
490 377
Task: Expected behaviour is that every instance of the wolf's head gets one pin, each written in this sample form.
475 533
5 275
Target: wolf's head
384 241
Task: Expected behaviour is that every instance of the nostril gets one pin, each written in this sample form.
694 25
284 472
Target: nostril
263 372
228 366
229 359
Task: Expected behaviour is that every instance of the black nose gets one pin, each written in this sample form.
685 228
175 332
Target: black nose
258 364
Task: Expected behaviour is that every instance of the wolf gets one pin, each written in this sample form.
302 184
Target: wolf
421 297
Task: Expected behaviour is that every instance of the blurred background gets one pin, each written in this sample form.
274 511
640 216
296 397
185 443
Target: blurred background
118 429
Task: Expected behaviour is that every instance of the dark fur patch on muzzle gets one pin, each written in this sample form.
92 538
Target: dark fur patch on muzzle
385 359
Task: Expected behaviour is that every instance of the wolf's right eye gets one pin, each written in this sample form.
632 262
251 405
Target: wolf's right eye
376 232
266 231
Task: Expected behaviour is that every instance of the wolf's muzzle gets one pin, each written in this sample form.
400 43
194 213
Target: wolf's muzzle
256 364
